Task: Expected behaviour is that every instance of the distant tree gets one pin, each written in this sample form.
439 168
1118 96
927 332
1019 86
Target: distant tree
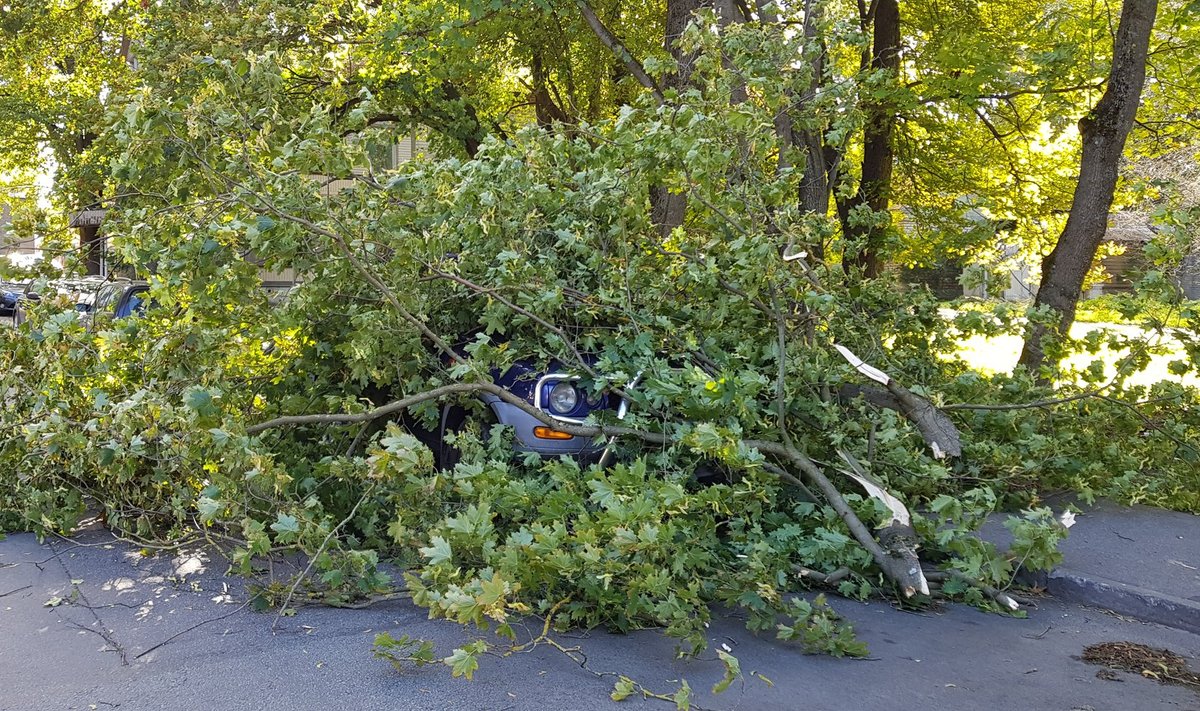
1103 131
60 64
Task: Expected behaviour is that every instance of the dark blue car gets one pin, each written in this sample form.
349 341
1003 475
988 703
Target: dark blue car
8 301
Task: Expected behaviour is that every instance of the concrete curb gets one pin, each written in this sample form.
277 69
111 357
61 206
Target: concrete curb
1122 598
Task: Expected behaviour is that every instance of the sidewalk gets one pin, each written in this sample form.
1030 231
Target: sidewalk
1133 560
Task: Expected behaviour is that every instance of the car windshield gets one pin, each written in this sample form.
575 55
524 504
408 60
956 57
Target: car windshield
106 296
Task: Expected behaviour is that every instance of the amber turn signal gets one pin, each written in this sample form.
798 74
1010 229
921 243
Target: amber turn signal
547 433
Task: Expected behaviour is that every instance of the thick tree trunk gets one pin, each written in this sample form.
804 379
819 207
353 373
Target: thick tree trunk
91 244
667 209
809 143
874 188
546 109
815 187
1103 132
679 14
91 249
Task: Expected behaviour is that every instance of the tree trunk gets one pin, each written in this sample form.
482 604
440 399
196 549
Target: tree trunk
91 249
91 244
874 188
679 14
1103 132
815 188
814 193
548 111
667 209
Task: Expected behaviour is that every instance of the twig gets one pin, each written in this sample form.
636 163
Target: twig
787 476
1012 602
177 635
382 411
313 559
105 634
833 578
373 600
10 592
781 372
1040 635
358 438
1023 405
575 654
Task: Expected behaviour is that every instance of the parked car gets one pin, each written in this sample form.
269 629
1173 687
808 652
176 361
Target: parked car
122 299
119 298
555 392
553 389
10 294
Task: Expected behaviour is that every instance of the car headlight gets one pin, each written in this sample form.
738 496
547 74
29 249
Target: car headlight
563 397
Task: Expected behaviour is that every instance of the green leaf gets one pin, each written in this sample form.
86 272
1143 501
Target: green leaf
622 689
733 670
491 591
208 508
464 660
438 550
200 401
683 697
285 524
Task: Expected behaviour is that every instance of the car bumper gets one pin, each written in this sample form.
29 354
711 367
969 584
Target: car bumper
523 425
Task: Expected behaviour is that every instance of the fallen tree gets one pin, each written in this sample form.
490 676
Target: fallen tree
291 428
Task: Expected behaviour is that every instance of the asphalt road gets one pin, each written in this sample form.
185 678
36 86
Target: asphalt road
83 626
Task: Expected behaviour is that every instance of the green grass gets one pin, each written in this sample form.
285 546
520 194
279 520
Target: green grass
1128 309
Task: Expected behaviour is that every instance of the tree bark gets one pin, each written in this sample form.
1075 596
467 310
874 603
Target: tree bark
91 249
814 192
814 186
91 244
874 187
608 39
548 111
1103 132
667 209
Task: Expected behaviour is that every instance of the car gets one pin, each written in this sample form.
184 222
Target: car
12 297
9 296
123 299
553 389
555 392
119 298
116 299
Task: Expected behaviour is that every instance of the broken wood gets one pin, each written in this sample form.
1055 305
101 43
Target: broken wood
1011 602
935 426
898 538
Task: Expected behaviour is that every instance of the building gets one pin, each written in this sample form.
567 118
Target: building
1129 230
21 253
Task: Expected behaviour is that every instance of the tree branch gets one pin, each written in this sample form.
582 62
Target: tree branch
609 40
